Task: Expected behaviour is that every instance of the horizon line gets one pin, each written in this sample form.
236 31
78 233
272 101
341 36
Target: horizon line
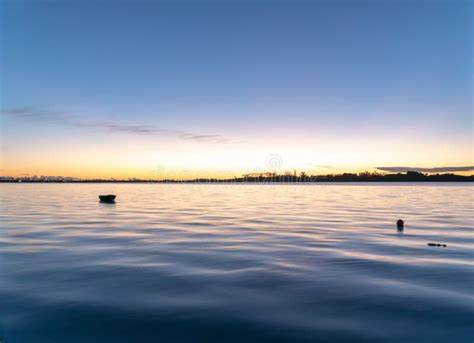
273 176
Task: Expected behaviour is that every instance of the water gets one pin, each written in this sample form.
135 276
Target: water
242 263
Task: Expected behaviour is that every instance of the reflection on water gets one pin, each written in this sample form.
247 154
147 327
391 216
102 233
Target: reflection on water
247 263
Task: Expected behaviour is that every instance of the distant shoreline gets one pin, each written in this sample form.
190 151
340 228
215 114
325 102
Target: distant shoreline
264 179
226 183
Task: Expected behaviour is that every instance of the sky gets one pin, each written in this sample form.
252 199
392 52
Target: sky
198 89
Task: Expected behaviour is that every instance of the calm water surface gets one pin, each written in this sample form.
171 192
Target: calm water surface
242 263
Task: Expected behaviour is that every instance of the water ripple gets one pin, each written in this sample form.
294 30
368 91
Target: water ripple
249 263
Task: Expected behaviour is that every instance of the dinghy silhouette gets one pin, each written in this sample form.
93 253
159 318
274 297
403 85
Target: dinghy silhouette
108 198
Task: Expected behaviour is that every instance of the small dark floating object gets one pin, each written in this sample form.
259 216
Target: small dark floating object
400 224
109 198
437 245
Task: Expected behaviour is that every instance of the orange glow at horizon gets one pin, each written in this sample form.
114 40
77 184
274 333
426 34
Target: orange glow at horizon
187 161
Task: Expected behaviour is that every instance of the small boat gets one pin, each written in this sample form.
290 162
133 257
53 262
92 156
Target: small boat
109 198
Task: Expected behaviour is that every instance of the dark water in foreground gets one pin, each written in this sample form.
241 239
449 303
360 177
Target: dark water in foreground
248 263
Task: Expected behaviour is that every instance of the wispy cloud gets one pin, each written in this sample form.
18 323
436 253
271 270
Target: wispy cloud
66 119
32 113
427 170
203 138
114 127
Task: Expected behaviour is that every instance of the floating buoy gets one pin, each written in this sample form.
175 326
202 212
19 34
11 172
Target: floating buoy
400 224
109 198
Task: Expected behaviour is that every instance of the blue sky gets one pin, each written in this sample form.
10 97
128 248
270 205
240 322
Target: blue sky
274 77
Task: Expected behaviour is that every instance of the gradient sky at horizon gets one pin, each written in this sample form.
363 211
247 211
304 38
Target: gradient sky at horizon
140 89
